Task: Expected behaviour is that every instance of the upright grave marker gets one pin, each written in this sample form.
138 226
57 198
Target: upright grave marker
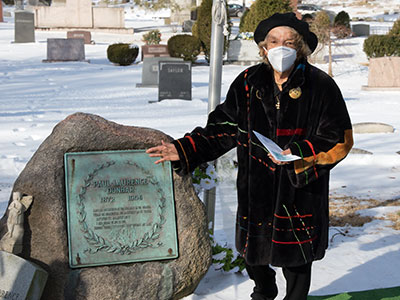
159 50
24 27
150 70
360 29
120 208
175 80
80 34
65 50
19 278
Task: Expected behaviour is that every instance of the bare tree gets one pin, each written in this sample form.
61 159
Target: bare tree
321 26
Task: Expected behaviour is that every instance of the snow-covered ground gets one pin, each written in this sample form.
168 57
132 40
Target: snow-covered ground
35 96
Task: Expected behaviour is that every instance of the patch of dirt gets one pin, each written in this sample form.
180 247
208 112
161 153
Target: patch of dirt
343 211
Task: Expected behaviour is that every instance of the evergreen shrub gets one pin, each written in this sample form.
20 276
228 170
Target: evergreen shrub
262 9
243 20
122 54
184 46
395 29
382 45
342 18
202 27
153 37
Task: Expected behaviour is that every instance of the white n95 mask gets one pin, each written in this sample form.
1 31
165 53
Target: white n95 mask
282 58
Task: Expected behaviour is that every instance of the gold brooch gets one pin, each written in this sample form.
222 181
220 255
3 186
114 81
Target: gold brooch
295 93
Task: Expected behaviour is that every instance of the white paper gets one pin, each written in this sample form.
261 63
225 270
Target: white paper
274 149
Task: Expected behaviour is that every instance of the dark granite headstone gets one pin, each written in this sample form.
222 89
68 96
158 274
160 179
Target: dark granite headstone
80 34
65 50
175 80
360 29
24 27
150 70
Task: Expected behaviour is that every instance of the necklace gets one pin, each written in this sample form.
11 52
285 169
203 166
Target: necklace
278 103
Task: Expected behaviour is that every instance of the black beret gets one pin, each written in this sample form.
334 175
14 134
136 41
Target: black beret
286 19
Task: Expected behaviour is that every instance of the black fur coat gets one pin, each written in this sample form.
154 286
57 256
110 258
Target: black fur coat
282 215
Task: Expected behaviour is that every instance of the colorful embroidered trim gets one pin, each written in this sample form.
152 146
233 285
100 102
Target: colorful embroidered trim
315 157
302 158
295 235
290 132
246 87
184 153
297 229
296 243
217 135
192 142
262 162
291 217
304 226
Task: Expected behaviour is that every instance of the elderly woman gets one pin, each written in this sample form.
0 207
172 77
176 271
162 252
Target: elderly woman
282 216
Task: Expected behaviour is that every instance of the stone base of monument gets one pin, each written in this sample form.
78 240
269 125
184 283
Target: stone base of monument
128 218
376 88
20 279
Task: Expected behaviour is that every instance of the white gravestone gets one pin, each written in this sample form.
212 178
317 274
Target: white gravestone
20 279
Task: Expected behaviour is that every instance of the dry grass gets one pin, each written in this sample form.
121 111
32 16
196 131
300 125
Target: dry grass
343 211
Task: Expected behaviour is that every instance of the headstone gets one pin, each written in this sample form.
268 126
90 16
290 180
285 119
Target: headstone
360 29
80 34
65 50
24 27
19 4
175 80
360 151
187 26
126 208
372 127
243 52
384 72
46 240
20 279
150 70
155 51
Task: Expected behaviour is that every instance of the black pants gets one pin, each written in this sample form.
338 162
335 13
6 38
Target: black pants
298 281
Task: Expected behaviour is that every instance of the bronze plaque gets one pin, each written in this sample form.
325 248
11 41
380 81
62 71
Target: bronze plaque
120 208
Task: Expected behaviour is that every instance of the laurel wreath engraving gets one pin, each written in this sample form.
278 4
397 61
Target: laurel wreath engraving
98 243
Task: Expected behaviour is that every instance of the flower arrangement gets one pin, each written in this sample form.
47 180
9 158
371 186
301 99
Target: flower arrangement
245 36
153 37
204 177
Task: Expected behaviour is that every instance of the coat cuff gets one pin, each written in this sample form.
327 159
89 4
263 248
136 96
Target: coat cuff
186 151
302 149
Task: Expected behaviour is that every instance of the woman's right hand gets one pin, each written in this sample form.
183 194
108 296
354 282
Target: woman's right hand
166 151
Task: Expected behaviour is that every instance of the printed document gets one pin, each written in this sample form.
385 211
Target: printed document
274 149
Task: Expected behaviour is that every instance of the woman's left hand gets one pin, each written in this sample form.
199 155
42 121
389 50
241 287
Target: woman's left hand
278 162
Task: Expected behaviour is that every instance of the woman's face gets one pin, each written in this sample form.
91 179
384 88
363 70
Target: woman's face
280 36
